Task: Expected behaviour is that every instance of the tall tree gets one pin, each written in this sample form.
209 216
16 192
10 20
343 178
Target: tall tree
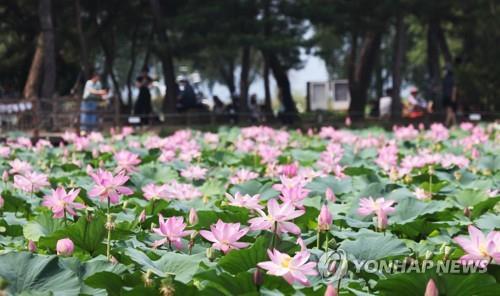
164 52
49 58
397 64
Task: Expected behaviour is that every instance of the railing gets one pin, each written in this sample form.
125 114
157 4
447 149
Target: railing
61 113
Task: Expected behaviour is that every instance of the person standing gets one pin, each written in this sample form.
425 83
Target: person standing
143 107
385 104
92 94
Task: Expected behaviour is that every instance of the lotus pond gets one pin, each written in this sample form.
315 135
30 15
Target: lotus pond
253 211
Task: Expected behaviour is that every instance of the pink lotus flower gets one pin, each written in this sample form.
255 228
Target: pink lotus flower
153 192
19 167
172 229
61 202
431 289
379 207
65 247
31 182
108 186
225 236
243 175
480 248
422 194
278 214
292 191
194 172
127 161
325 219
176 190
245 201
290 170
4 151
292 269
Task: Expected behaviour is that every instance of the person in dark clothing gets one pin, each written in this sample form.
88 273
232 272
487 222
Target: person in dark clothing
143 106
450 102
187 96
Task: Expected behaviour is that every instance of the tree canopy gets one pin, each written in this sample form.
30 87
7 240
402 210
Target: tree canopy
49 47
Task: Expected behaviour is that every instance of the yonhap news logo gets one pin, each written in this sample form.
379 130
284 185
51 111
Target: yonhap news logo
334 265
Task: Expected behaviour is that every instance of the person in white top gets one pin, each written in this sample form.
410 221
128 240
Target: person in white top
385 104
92 94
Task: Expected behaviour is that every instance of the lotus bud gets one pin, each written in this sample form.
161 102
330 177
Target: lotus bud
431 170
258 279
193 217
210 254
32 246
467 212
330 195
324 219
330 290
65 247
5 176
193 235
142 216
431 289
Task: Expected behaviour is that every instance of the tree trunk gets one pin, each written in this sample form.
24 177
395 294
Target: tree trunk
226 70
133 58
49 57
267 89
149 42
397 65
361 73
281 77
84 55
32 85
244 78
433 64
443 45
164 53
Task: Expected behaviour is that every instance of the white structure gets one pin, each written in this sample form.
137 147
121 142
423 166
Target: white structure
328 95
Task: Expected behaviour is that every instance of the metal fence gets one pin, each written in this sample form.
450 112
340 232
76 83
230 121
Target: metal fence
62 113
